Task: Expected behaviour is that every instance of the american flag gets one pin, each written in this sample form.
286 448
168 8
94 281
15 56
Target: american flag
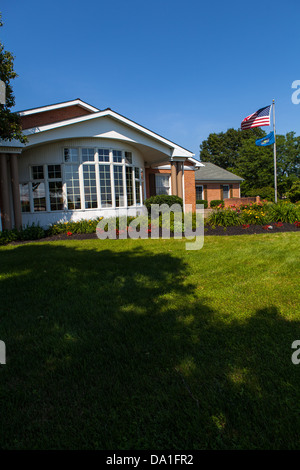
260 118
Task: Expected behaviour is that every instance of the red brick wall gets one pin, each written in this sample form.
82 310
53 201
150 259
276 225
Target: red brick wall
237 201
55 115
214 190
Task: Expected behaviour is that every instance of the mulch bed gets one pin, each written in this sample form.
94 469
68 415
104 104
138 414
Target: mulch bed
225 231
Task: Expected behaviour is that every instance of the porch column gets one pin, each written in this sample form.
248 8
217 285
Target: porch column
16 190
174 178
4 188
179 179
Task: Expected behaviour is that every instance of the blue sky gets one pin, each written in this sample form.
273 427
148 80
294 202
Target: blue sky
181 69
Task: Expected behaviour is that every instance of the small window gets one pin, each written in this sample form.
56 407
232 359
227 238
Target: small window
225 191
54 171
137 173
71 155
56 197
38 172
103 155
162 184
199 193
39 197
117 156
128 158
88 155
24 196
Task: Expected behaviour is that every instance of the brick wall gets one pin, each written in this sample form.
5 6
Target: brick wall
237 201
212 191
55 115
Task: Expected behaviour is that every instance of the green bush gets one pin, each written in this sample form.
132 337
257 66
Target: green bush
202 201
162 199
32 232
216 203
225 218
7 236
81 226
283 212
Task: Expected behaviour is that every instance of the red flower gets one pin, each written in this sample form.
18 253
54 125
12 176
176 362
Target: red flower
297 223
279 224
246 225
69 234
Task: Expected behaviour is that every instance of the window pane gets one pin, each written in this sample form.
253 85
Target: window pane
88 155
225 191
117 156
56 197
199 196
137 192
137 173
73 190
39 197
54 171
103 155
105 185
128 157
38 172
129 186
24 196
119 189
71 155
162 184
90 188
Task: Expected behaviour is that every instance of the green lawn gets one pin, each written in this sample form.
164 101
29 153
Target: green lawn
140 344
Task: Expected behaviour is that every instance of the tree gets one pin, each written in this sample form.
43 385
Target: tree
10 124
235 151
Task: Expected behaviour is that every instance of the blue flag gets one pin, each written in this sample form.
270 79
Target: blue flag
268 140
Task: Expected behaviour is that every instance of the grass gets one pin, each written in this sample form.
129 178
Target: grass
140 344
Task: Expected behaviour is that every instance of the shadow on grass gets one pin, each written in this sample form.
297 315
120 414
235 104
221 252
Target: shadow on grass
115 350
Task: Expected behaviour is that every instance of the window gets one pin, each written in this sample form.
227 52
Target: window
39 196
117 156
129 186
162 183
25 198
90 187
225 191
73 187
128 158
103 155
199 193
56 196
55 188
37 172
105 186
54 171
71 155
88 155
137 176
119 189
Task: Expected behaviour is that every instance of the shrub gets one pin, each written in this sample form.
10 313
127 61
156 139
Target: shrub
202 201
32 232
216 203
283 212
81 226
163 199
225 218
7 236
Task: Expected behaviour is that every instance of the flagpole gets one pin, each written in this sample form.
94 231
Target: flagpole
275 165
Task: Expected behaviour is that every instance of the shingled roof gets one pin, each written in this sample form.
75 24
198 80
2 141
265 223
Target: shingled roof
213 173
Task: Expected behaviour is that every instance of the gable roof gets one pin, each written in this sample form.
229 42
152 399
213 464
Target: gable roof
33 133
213 173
